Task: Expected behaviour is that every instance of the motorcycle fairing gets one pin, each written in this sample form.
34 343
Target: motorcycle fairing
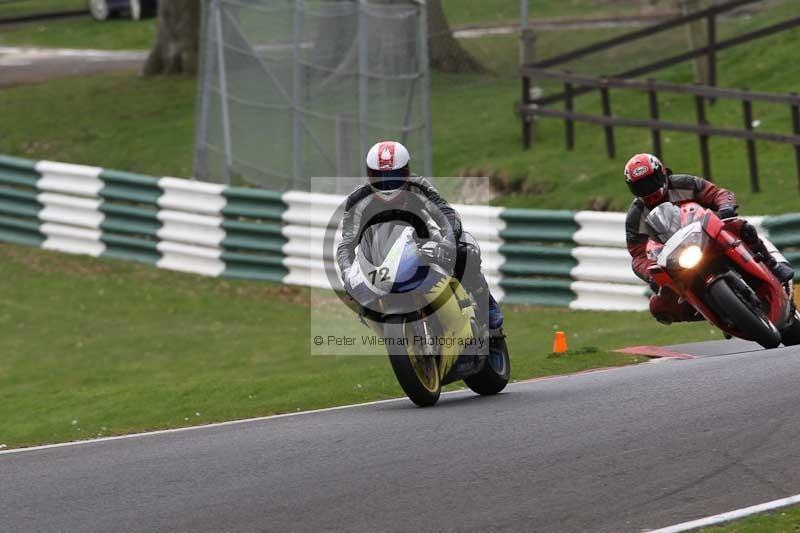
401 264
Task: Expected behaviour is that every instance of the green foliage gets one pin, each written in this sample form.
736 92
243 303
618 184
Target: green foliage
781 521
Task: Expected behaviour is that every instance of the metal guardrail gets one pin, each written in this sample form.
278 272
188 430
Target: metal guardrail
173 223
532 257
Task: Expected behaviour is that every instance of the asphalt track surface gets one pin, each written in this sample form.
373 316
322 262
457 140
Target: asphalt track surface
626 449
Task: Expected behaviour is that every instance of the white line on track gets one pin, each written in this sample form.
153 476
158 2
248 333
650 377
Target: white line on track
207 426
285 415
193 428
730 515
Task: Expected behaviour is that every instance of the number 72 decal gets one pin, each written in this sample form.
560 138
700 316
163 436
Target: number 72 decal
383 272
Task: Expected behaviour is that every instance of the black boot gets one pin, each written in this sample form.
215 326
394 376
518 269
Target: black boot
783 271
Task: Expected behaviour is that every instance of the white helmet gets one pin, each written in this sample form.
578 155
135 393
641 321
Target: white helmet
387 168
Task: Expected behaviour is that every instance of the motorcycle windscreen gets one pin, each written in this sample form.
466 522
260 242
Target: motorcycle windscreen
390 260
411 270
663 222
378 241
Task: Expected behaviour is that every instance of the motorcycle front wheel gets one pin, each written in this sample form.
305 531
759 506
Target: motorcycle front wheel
416 368
728 304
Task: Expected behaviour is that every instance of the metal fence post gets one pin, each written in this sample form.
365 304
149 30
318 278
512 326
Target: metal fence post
201 170
223 87
297 142
345 146
363 80
747 111
424 63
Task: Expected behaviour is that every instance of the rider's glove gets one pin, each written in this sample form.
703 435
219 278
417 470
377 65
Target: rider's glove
439 252
726 211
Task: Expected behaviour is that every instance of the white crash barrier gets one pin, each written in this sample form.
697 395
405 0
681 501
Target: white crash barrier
609 296
598 228
191 196
611 265
310 216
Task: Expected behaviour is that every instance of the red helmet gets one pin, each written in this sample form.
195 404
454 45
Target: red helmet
647 178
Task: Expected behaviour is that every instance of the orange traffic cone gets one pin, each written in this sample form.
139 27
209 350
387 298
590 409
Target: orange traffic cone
560 342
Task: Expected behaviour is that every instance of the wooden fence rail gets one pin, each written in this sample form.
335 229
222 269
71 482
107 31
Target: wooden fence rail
710 51
530 109
645 33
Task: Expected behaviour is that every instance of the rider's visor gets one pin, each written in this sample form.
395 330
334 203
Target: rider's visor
647 185
388 182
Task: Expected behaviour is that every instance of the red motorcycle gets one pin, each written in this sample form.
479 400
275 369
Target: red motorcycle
701 258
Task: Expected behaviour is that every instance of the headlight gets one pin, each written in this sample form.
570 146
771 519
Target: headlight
690 257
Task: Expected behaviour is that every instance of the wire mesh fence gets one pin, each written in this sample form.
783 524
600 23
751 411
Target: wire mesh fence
295 89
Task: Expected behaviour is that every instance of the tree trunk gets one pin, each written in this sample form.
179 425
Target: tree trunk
175 50
446 53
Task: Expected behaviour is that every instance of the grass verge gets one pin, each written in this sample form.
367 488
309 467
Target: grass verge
19 8
785 520
97 347
84 32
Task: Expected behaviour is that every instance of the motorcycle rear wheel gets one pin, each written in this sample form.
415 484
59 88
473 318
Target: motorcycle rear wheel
727 303
495 374
417 373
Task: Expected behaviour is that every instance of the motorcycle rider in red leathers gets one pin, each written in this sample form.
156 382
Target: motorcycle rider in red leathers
652 184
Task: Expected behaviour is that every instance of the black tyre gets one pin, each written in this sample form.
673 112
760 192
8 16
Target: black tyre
495 373
100 10
790 335
752 322
417 373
